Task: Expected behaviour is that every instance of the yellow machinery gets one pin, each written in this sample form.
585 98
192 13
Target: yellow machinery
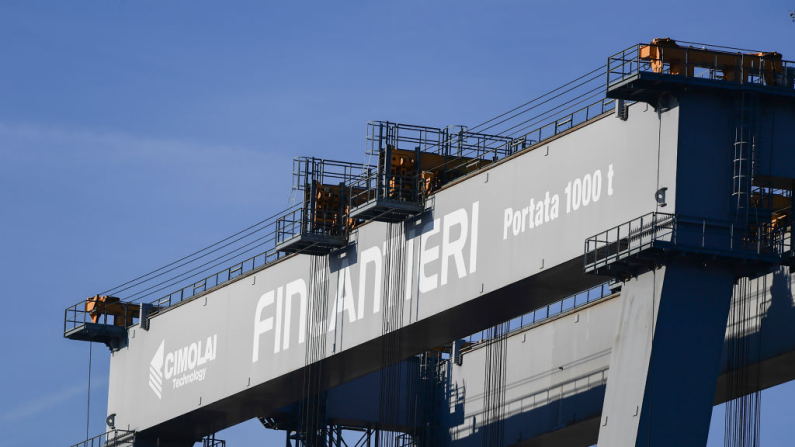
413 162
331 205
434 170
734 67
122 313
328 206
321 223
779 205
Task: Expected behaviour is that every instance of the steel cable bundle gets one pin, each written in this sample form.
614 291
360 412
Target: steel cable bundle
391 386
313 407
743 410
422 414
492 424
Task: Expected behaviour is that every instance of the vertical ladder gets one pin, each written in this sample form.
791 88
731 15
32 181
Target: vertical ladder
743 165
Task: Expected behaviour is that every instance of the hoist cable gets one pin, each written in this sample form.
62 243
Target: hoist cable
195 259
391 385
555 90
534 121
88 403
313 407
173 283
543 102
494 385
743 407
113 289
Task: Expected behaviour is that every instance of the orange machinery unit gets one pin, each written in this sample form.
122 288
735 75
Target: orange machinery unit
778 204
733 67
331 205
123 313
321 224
414 161
434 171
328 205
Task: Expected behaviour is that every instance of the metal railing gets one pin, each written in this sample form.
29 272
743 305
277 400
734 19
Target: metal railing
114 314
669 231
307 170
113 438
525 403
704 63
543 314
210 441
627 239
463 152
382 183
261 238
448 152
267 243
468 152
305 221
219 278
550 126
569 120
451 141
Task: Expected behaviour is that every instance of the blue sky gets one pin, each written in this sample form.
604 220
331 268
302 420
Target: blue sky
134 132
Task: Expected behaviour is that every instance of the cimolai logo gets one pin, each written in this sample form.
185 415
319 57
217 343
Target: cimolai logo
181 366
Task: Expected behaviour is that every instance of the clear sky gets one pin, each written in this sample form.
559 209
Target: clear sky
134 132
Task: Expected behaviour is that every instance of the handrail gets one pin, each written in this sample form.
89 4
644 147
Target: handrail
270 254
668 58
112 438
557 391
469 153
683 232
544 313
469 157
98 311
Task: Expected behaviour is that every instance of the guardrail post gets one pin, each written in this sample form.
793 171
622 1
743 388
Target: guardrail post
742 69
387 160
417 175
381 168
143 316
687 64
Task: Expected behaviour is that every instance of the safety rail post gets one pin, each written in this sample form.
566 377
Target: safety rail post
120 438
742 69
307 222
687 64
417 176
381 154
387 161
342 228
460 142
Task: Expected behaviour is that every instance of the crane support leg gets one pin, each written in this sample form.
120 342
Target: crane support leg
666 356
